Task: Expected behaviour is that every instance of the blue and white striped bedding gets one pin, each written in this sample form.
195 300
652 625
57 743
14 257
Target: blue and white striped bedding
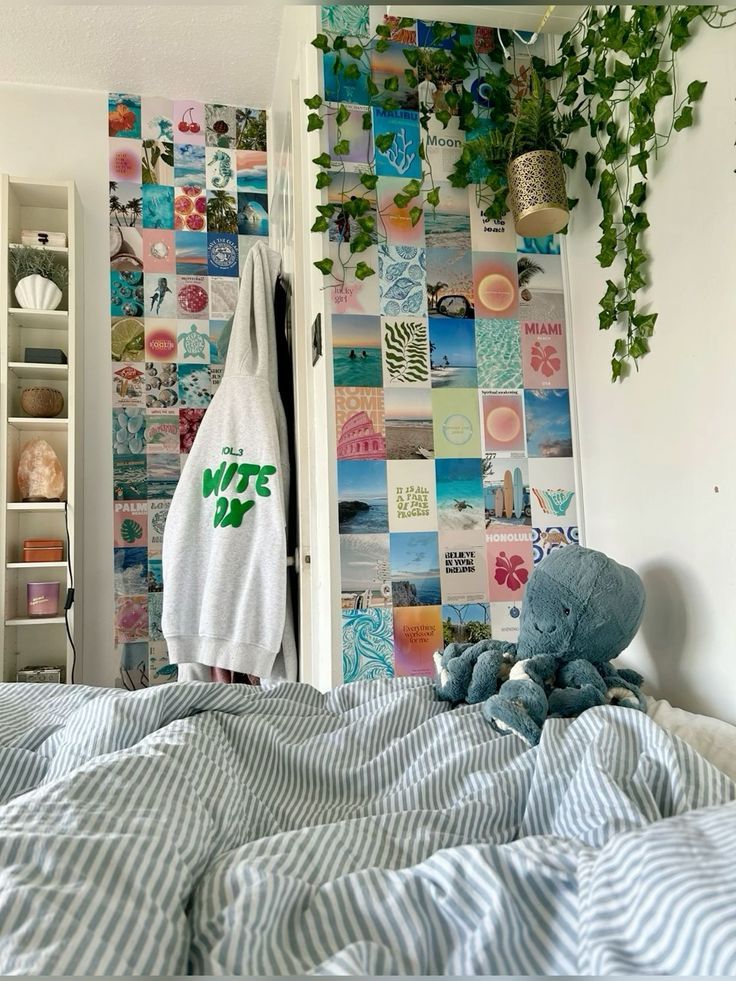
212 829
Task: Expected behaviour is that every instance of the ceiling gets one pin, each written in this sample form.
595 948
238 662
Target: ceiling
212 52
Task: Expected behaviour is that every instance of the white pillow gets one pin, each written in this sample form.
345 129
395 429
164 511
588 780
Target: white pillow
713 739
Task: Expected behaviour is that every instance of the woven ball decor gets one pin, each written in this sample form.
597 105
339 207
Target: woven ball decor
537 193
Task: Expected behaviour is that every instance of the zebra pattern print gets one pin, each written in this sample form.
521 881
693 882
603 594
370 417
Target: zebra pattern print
215 829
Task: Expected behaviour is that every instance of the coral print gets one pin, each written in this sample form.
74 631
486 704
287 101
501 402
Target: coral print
401 270
510 571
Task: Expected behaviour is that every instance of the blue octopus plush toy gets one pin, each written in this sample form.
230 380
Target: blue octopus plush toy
580 610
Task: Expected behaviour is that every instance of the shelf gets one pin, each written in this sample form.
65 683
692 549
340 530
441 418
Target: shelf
36 506
32 621
39 369
39 319
35 565
30 423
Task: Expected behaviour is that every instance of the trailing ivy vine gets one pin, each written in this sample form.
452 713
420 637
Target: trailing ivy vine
616 79
617 74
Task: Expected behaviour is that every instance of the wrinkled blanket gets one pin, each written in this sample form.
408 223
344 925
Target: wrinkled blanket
214 829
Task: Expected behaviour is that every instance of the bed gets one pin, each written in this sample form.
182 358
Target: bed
215 829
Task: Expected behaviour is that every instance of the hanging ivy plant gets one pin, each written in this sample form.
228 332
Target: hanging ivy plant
616 79
456 61
618 74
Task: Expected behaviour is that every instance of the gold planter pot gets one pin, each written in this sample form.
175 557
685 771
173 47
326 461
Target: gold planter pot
537 193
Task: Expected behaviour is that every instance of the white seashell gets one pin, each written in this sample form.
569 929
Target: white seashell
36 293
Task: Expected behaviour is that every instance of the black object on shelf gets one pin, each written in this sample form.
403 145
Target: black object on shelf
45 355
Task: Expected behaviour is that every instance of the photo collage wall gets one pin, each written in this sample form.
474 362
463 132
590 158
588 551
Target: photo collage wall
188 198
453 430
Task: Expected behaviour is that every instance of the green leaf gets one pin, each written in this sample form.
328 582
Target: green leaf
383 30
621 71
323 180
412 188
367 120
412 56
590 168
616 369
314 122
603 112
640 223
391 84
372 88
367 223
644 323
638 347
342 116
444 117
327 210
341 148
131 531
411 78
384 141
401 200
355 50
320 225
640 160
695 91
363 271
685 119
351 72
321 42
569 157
360 242
339 44
324 266
661 84
433 197
415 214
323 160
369 181
381 45
605 87
639 194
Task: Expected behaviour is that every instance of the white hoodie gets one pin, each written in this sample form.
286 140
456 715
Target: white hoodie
226 602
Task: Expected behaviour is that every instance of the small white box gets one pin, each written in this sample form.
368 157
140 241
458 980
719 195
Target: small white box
57 239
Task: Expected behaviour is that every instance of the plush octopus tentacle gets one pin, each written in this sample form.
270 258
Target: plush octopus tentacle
519 707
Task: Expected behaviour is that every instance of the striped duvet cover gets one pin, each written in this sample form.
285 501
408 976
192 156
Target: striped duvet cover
213 829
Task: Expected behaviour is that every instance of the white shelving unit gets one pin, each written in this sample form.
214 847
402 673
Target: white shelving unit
26 641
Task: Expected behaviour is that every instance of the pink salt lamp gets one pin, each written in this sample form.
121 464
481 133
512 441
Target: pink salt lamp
40 477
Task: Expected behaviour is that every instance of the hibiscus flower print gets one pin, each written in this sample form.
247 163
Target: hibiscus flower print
545 359
510 571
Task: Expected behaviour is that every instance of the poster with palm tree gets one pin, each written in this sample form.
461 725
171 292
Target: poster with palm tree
222 215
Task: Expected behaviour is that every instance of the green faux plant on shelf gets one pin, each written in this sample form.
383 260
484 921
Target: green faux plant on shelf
39 278
27 260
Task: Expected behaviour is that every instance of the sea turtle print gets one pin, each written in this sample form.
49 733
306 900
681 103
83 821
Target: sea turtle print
195 344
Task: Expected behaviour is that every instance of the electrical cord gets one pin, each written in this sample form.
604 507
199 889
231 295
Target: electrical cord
69 602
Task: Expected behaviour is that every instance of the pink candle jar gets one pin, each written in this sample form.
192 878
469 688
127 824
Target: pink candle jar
42 599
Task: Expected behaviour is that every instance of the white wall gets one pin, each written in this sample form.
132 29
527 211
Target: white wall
61 134
657 451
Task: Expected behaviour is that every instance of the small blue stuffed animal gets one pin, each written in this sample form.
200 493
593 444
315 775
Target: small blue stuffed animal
580 610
